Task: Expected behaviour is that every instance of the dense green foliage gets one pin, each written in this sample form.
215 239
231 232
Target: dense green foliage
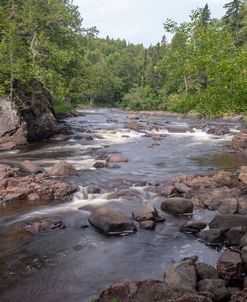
203 68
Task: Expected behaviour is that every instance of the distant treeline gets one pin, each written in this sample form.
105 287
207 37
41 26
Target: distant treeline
203 68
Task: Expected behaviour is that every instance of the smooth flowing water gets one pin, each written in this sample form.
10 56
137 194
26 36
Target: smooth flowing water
75 264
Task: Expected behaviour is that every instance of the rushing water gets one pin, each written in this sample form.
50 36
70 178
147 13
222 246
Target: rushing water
75 263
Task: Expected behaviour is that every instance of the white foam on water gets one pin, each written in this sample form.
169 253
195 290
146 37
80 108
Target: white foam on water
119 136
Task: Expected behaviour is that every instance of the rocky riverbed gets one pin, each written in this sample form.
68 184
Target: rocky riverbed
125 197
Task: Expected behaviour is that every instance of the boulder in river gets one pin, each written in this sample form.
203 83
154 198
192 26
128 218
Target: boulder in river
149 291
177 206
147 212
206 271
226 222
212 237
216 287
192 226
29 167
229 266
63 168
147 225
111 222
181 275
218 130
234 235
239 141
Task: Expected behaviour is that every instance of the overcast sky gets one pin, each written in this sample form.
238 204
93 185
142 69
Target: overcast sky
139 21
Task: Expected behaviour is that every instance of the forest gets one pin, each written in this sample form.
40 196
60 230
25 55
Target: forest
202 68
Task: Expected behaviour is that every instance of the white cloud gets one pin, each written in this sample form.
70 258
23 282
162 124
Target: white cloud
139 21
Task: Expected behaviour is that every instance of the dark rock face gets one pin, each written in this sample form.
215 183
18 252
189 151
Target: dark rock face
177 206
216 287
212 237
229 267
33 120
205 271
111 222
13 128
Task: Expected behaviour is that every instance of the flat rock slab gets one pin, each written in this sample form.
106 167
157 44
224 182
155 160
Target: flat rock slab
111 222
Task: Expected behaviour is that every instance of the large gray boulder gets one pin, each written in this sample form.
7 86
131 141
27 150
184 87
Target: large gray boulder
177 206
111 222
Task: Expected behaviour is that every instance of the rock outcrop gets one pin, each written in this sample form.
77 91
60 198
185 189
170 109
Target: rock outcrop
15 187
26 121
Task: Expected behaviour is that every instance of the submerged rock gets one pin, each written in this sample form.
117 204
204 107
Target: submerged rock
117 159
43 224
111 222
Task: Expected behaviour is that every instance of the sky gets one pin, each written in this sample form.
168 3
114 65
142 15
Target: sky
140 21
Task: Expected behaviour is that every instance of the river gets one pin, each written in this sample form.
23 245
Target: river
75 264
